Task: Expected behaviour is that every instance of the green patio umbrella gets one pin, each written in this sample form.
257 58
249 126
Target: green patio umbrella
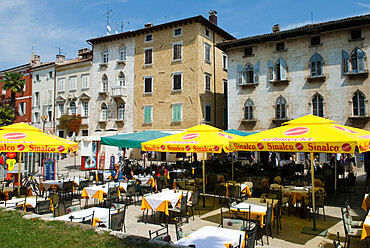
238 132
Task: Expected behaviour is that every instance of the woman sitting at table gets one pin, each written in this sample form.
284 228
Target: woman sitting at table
117 175
276 186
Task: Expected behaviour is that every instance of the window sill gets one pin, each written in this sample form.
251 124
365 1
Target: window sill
207 62
280 51
121 62
318 45
148 66
61 91
176 123
103 64
249 121
147 93
120 121
179 91
275 82
358 39
321 78
84 88
74 90
207 91
103 92
359 117
356 74
248 56
147 124
176 61
279 121
248 84
103 122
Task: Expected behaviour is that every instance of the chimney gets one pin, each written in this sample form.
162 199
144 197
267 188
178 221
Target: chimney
60 57
84 53
213 16
148 25
276 28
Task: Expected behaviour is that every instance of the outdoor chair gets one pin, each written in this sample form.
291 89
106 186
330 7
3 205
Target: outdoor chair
112 195
89 219
277 216
92 176
336 241
182 209
160 234
42 207
250 241
67 189
117 220
179 233
81 186
219 190
237 220
194 203
356 221
267 227
130 194
100 178
349 231
319 203
147 210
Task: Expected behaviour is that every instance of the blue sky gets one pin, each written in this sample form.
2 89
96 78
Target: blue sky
48 24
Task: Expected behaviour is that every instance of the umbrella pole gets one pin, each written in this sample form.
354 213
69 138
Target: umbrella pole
335 178
19 174
204 181
313 193
232 166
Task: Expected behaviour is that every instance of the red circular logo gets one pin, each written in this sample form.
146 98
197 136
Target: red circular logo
20 147
190 136
163 147
260 146
345 129
187 148
346 147
14 136
225 135
296 131
216 148
299 146
61 148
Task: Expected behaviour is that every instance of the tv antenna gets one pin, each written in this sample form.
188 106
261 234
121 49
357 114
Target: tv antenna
166 18
121 25
60 50
107 16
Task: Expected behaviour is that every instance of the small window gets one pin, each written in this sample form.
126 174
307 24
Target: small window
61 84
316 65
37 77
85 108
104 83
72 83
207 113
176 112
207 32
356 34
359 104
85 132
148 85
315 40
121 112
36 116
61 109
22 108
248 74
248 109
36 100
225 87
177 81
72 108
121 79
280 108
123 53
177 32
148 111
177 51
104 112
148 56
50 74
148 37
85 81
105 56
50 115
207 82
224 61
248 51
318 105
280 46
207 53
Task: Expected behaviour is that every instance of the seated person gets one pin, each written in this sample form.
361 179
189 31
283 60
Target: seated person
117 175
318 186
276 186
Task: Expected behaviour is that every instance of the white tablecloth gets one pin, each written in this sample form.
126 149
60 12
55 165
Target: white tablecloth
93 189
47 184
254 208
142 178
106 174
100 213
12 203
155 200
215 237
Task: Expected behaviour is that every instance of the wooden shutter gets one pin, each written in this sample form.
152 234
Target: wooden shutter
345 61
240 75
256 72
360 61
282 69
271 71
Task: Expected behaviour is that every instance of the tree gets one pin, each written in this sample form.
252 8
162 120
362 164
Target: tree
13 81
71 123
7 115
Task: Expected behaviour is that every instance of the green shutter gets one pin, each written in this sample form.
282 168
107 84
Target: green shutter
147 114
176 113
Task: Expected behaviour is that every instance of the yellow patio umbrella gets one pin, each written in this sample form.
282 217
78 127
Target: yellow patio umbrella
307 134
197 139
22 137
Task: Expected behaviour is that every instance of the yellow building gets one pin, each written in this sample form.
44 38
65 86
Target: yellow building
180 75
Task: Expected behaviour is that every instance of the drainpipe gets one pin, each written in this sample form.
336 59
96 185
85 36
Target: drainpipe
55 89
214 80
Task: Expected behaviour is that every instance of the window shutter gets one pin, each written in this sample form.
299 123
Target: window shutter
50 97
345 61
283 69
360 61
271 70
240 75
176 113
147 115
45 97
256 72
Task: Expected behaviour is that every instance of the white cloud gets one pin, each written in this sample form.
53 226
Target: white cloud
366 5
104 3
295 25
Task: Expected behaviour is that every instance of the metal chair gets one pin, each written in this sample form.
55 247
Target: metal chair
117 220
194 203
160 234
89 219
182 209
348 230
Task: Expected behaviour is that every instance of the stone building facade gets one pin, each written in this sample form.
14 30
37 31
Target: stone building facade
318 69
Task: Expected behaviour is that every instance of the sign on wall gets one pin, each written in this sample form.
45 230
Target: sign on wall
49 169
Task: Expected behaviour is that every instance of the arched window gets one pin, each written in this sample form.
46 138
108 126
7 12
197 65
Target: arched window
104 81
72 108
316 65
121 79
318 105
121 112
277 71
359 104
248 109
280 108
358 61
104 112
248 74
123 53
105 56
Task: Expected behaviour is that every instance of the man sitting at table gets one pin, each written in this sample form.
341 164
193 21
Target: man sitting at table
117 175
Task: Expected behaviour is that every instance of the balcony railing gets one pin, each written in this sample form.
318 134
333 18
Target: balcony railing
118 91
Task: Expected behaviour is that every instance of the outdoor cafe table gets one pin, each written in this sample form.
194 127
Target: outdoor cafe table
148 179
182 183
297 193
161 201
366 227
366 203
99 191
7 191
101 215
245 188
25 202
215 237
257 211
46 185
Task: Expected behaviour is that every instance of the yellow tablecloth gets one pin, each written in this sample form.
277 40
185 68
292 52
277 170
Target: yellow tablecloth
245 190
99 194
366 203
255 214
163 207
366 228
